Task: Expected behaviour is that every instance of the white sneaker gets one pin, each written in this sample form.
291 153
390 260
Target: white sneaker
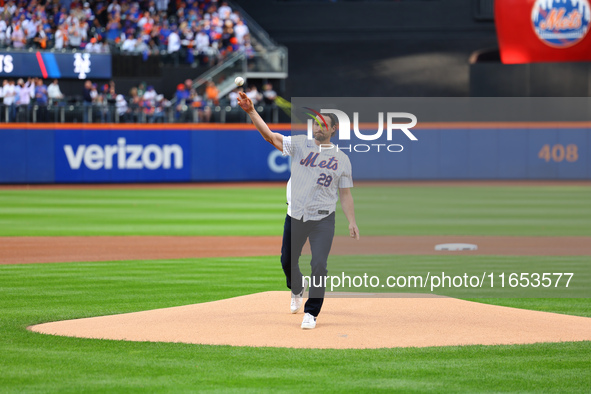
309 322
297 300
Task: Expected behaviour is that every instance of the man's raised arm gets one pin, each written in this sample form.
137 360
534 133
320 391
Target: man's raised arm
274 139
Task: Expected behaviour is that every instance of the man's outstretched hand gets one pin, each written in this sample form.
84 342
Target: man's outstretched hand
354 231
245 103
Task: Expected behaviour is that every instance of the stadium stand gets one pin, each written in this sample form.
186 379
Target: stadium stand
203 34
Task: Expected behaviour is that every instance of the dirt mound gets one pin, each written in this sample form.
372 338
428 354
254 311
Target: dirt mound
264 319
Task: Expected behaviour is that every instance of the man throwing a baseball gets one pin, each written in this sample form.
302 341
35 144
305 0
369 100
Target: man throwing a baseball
320 175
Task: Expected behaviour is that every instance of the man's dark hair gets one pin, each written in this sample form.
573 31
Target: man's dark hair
334 121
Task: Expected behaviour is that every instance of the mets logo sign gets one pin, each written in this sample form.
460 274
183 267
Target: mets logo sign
561 23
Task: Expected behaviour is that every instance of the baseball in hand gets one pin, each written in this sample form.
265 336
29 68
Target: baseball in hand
239 81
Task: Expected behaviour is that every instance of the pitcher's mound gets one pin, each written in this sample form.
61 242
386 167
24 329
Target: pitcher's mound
264 320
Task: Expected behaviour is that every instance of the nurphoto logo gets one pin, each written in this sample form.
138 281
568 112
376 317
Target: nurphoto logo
344 133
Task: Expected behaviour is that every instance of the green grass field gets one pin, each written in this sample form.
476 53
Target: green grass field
31 294
391 210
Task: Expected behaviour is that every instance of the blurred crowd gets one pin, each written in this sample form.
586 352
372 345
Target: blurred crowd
20 94
191 30
104 103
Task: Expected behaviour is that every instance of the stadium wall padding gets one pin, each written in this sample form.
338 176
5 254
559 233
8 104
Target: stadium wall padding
34 153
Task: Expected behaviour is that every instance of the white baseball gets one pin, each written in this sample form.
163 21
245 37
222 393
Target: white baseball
239 81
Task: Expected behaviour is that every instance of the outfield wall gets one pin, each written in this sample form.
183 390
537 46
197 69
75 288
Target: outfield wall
59 153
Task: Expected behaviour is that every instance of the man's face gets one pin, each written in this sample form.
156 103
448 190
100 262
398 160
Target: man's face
321 133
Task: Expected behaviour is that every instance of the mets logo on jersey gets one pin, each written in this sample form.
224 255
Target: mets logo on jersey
561 23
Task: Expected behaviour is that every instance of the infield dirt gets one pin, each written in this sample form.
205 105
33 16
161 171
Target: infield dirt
20 250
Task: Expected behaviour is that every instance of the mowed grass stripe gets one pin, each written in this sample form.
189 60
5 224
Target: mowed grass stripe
381 210
255 211
479 210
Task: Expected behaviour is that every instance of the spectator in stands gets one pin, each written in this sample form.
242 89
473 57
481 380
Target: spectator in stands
151 8
109 100
146 19
240 30
10 99
3 109
163 34
59 18
148 111
187 43
88 14
141 89
18 37
134 104
9 30
100 102
150 96
251 59
29 27
75 34
61 37
202 106
134 13
102 47
122 108
41 100
25 92
235 17
3 28
84 28
101 16
211 94
226 38
93 46
224 11
189 85
182 97
54 93
202 45
47 28
129 44
253 94
114 27
174 45
4 83
40 38
159 109
114 7
10 7
162 5
151 31
269 95
87 100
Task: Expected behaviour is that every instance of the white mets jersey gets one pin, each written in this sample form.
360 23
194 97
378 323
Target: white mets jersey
316 177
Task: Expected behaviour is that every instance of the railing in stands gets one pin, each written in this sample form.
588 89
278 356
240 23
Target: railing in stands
61 112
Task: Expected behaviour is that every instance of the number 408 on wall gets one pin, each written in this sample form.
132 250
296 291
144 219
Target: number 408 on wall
559 153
